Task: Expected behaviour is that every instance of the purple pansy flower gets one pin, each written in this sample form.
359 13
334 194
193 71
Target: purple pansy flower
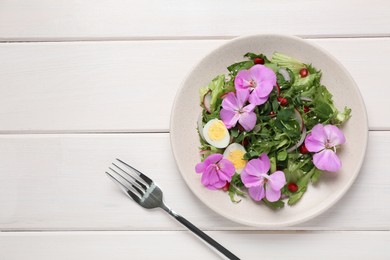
259 183
260 81
323 140
216 171
234 110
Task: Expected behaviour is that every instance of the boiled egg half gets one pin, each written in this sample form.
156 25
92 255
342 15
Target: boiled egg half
216 133
235 153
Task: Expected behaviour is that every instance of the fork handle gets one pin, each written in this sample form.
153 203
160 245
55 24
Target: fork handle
201 234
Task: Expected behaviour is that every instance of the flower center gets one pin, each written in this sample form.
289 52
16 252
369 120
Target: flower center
216 166
327 144
252 84
265 178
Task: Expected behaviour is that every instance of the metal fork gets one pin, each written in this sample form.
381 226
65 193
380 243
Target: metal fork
147 194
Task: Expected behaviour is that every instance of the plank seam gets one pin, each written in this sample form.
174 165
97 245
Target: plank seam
108 132
174 38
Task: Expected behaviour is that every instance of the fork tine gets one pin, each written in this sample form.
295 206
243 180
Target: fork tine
143 186
127 190
129 182
140 174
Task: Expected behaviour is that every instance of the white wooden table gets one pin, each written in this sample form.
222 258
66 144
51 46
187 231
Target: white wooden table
82 82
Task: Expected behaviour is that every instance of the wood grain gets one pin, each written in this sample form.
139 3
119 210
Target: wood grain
184 245
57 182
130 86
40 20
71 68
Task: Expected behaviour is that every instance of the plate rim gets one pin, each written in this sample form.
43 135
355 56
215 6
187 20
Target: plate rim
363 117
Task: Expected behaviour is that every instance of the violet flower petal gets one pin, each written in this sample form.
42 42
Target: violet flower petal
205 180
230 102
319 133
276 180
315 141
249 108
226 170
242 80
257 192
265 164
248 120
229 118
252 167
334 135
242 97
312 144
217 185
213 159
250 180
263 89
200 167
271 194
256 100
261 73
327 160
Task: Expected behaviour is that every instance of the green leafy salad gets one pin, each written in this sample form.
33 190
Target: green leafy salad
267 129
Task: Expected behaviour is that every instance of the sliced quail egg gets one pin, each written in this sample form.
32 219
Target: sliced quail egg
216 133
235 153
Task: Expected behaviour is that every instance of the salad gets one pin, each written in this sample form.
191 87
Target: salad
268 129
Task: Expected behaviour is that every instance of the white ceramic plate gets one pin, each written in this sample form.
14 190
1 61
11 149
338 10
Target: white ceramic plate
319 197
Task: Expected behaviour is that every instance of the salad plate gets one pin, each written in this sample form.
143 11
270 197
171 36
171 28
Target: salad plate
320 196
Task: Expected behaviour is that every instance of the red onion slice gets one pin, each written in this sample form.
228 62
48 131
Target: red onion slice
207 101
285 74
299 118
306 99
303 136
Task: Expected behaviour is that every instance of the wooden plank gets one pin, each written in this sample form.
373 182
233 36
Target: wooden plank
57 182
122 86
183 245
79 20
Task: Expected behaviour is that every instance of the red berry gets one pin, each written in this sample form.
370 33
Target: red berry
306 109
303 72
303 149
226 187
272 114
245 142
258 61
283 101
292 187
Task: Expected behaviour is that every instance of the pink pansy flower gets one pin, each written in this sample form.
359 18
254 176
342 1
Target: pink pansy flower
260 81
259 183
216 171
234 110
323 140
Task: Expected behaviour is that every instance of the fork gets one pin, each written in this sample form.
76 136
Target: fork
148 195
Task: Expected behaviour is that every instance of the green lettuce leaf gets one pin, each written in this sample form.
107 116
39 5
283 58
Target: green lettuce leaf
285 61
217 88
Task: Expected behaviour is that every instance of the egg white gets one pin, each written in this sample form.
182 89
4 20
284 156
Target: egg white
217 143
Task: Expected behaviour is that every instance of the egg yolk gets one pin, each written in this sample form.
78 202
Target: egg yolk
217 131
236 158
